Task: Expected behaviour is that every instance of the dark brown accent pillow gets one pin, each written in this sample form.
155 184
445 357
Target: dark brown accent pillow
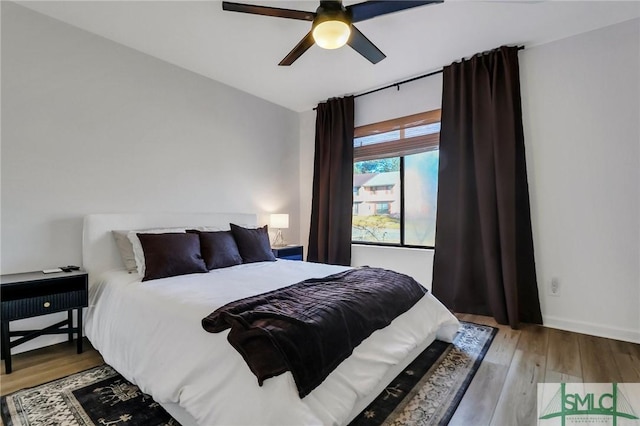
171 254
218 248
253 244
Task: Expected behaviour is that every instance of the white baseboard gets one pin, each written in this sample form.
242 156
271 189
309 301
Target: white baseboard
628 335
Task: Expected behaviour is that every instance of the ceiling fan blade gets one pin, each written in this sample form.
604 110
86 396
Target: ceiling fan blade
297 51
268 11
371 9
363 46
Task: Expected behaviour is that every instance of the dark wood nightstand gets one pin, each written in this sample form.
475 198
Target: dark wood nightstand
288 252
32 294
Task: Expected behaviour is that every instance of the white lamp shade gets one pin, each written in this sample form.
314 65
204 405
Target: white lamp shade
331 34
279 221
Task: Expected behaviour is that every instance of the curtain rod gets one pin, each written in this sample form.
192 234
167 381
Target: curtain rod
409 80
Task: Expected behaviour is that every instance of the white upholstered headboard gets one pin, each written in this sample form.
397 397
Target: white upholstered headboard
99 251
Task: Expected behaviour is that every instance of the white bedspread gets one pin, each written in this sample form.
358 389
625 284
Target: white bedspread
151 333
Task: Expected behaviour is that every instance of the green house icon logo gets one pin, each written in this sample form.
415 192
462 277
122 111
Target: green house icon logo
614 405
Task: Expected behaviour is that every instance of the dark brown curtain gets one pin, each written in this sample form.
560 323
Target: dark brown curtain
484 261
330 233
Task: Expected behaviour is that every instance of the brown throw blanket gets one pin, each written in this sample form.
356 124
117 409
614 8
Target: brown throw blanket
312 326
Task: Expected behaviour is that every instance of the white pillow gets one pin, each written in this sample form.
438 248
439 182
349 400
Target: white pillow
207 228
126 249
138 253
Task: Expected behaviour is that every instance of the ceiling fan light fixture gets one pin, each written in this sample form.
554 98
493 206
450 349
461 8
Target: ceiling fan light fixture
331 34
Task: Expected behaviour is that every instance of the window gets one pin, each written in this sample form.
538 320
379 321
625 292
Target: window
382 208
395 181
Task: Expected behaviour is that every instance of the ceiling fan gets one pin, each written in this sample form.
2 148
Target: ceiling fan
332 25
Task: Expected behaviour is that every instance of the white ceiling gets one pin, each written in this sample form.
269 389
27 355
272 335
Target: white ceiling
243 50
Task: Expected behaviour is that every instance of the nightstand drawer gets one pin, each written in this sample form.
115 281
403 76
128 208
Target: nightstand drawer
291 257
288 252
42 305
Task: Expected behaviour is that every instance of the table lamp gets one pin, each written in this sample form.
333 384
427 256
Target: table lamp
279 221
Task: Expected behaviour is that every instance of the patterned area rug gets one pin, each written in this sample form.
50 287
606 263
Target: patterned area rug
99 396
429 390
426 393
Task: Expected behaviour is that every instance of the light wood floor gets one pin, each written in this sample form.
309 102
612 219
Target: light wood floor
49 363
502 393
504 390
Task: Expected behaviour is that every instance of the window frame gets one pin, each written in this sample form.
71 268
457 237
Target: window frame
392 149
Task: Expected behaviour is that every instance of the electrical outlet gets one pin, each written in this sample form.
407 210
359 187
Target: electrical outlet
554 287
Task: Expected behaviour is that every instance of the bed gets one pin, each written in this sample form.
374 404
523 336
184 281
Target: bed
151 333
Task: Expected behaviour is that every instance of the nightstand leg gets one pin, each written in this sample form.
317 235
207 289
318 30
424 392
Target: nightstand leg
70 320
79 313
6 347
3 342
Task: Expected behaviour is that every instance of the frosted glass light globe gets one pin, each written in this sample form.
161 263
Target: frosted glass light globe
331 34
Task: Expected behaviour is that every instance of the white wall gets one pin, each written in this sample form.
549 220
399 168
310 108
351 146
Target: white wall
307 150
90 126
580 112
581 101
